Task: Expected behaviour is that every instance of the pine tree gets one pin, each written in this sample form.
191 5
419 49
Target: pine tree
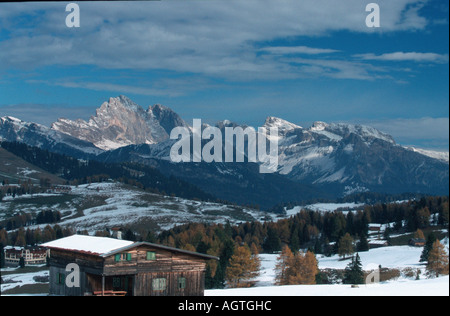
363 244
2 256
353 272
272 242
22 262
437 260
219 277
431 239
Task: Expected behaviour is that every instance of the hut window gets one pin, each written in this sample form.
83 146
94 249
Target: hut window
151 255
122 257
159 284
181 283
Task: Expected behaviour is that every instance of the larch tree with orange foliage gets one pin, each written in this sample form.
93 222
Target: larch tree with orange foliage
243 268
437 260
299 268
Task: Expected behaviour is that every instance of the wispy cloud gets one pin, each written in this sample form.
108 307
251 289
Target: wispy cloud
407 56
286 50
212 38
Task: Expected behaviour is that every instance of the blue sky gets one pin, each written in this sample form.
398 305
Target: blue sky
301 60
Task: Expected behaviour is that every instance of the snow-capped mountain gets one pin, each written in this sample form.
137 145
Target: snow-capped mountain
357 158
333 158
121 122
338 158
32 134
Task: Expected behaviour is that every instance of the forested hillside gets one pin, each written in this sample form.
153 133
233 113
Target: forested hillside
78 171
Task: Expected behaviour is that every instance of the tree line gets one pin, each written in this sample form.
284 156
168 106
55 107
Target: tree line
24 219
315 232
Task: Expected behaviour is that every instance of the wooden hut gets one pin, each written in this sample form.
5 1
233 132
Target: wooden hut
417 242
108 266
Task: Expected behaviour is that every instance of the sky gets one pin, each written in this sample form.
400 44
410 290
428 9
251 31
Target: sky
241 60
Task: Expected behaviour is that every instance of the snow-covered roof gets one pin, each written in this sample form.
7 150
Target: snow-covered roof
88 244
104 246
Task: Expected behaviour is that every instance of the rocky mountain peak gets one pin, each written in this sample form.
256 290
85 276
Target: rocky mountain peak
122 122
319 126
281 124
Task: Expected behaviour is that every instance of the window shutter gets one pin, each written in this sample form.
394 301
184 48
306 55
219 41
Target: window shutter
117 257
151 255
61 278
128 256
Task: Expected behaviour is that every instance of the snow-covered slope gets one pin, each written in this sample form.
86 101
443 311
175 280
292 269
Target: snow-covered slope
428 287
440 155
98 206
402 258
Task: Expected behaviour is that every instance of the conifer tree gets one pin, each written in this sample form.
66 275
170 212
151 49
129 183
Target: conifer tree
22 262
363 244
299 268
437 260
272 242
428 246
243 268
353 272
282 268
308 268
419 234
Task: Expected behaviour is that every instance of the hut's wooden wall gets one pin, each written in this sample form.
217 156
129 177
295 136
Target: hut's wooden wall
168 265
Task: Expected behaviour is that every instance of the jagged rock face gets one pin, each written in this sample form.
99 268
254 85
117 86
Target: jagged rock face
121 122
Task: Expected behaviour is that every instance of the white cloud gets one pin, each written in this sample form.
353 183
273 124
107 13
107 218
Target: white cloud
213 38
158 88
284 50
338 69
409 56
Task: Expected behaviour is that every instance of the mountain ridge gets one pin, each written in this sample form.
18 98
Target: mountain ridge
340 158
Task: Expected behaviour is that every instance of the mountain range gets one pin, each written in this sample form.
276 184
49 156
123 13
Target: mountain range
321 161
